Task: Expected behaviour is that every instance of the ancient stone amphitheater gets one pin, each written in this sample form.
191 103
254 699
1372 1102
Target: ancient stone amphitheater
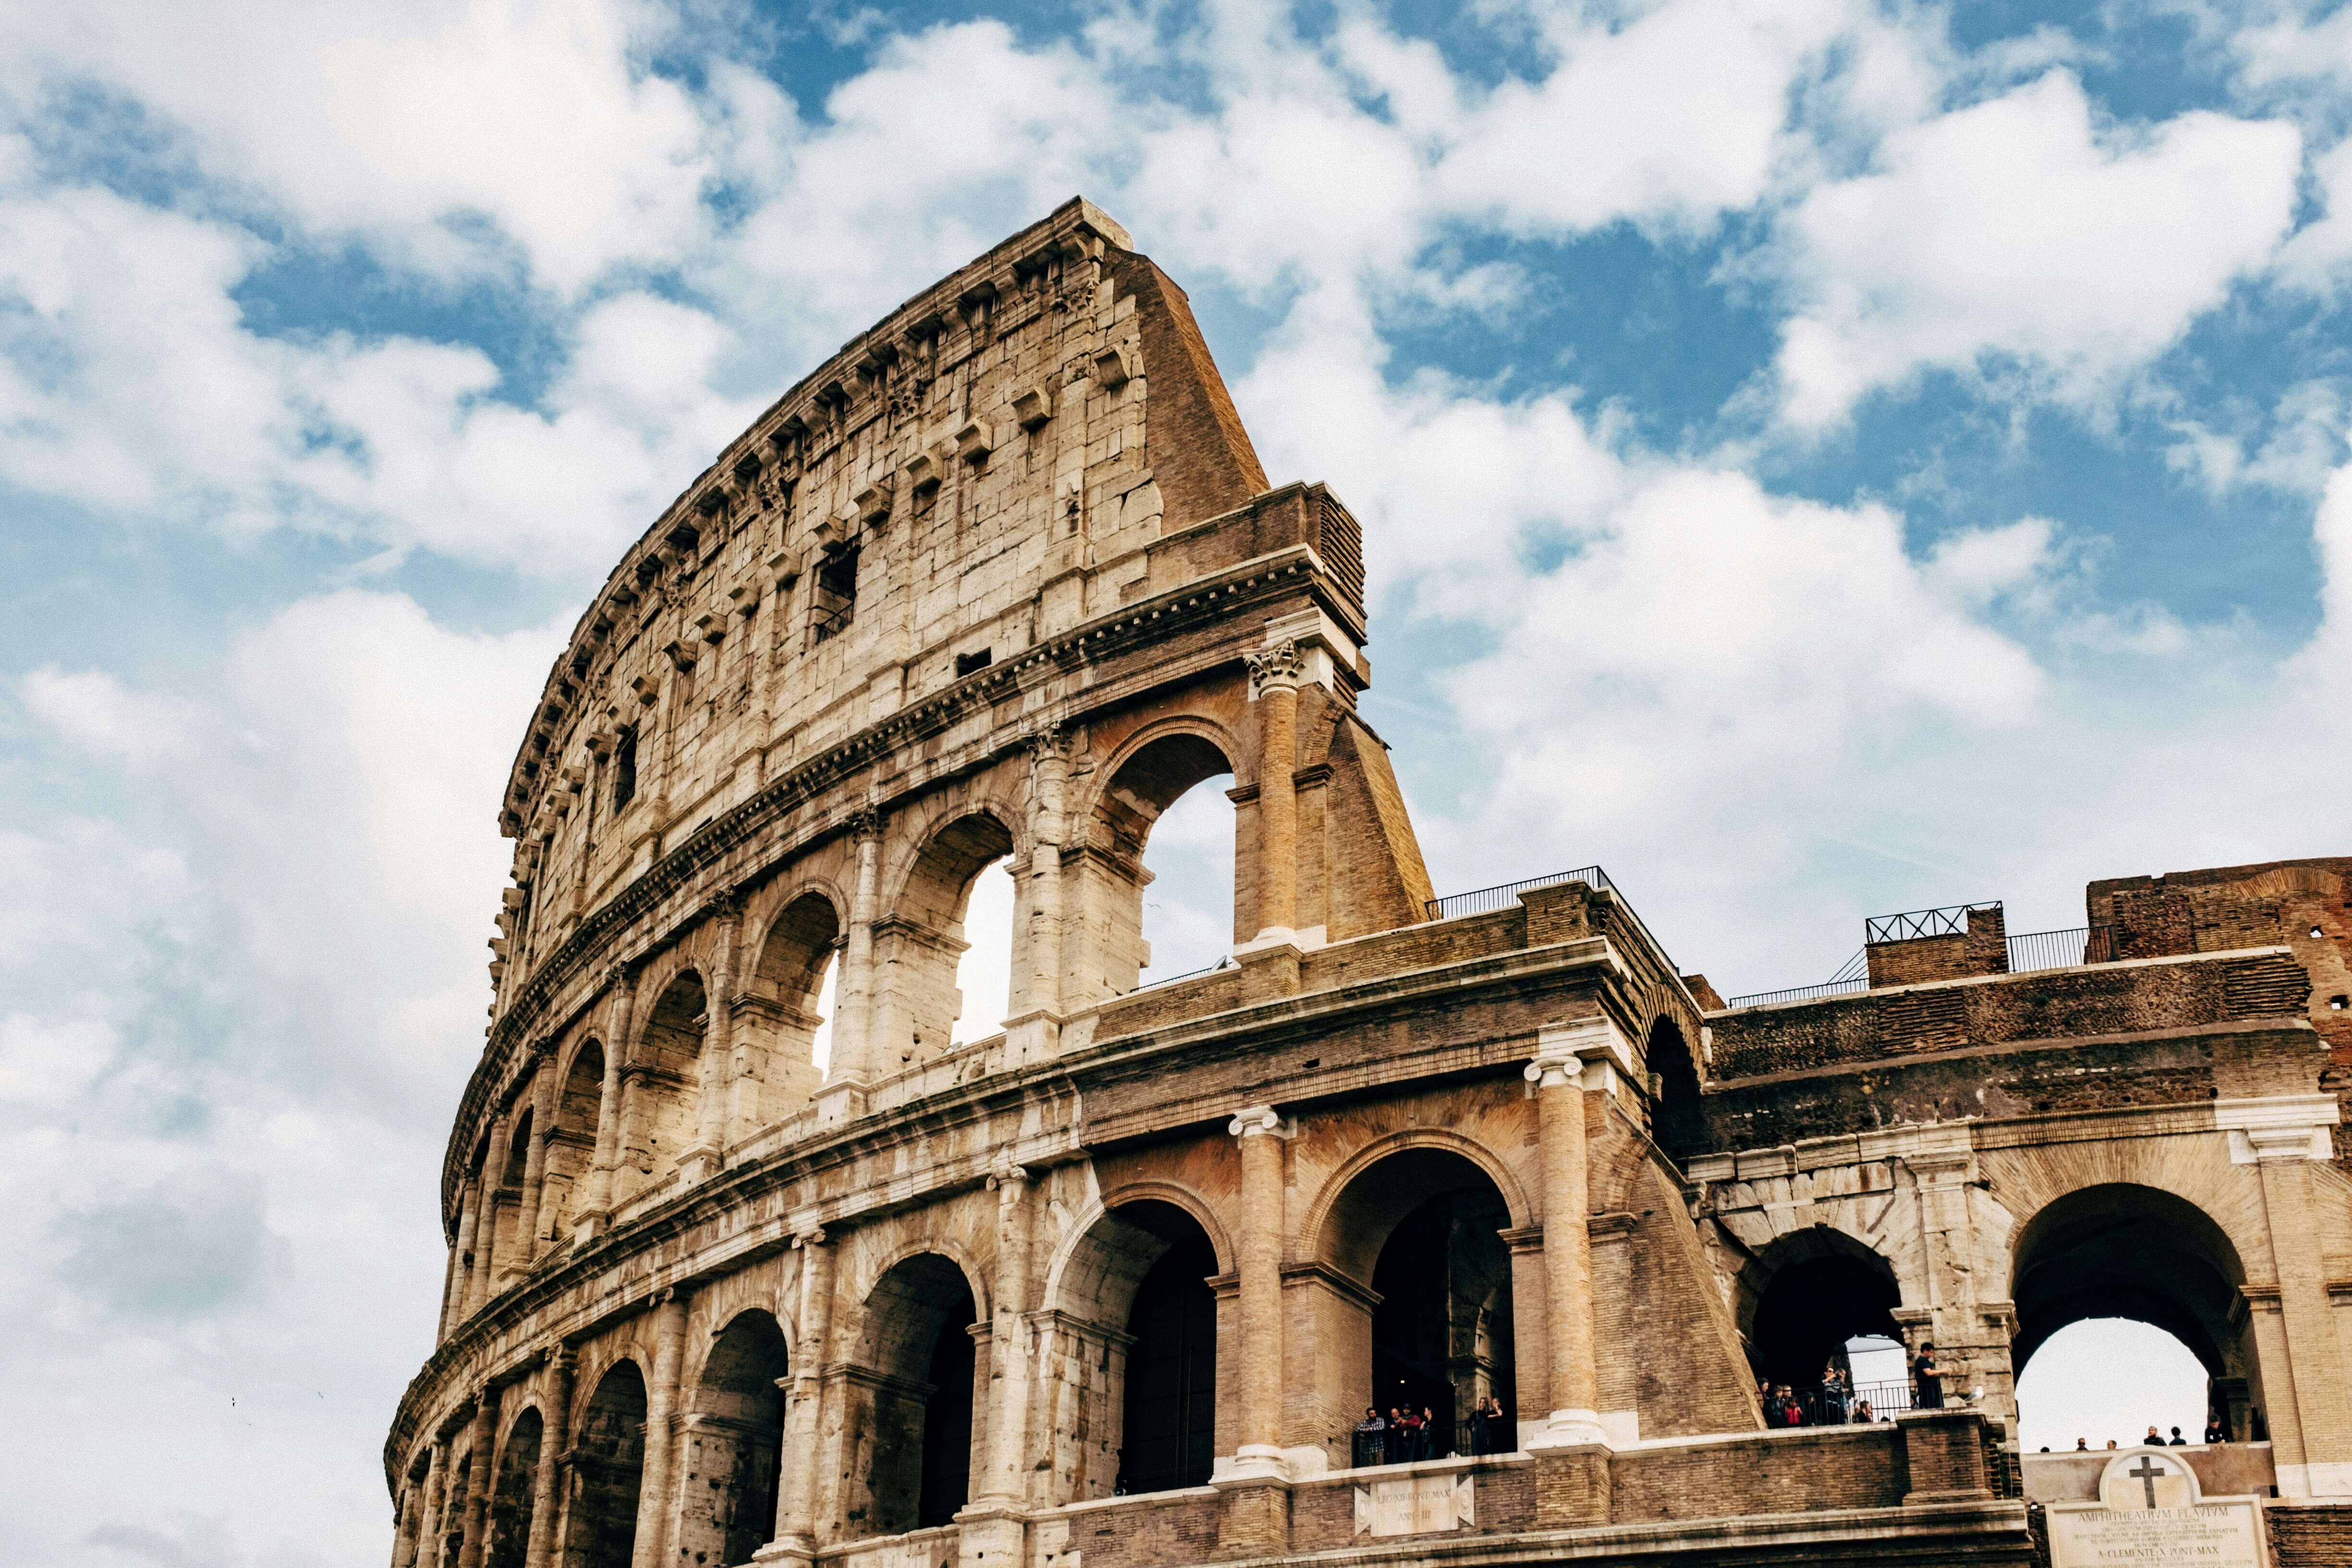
1113 1286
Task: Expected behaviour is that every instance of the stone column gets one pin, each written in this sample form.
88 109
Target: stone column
1260 1131
1253 1503
1558 1073
1273 688
542 1128
1009 1409
713 1069
404 1520
461 1266
486 1222
429 1528
477 1476
852 1068
621 986
554 1438
796 1493
2314 1360
656 1497
1037 1003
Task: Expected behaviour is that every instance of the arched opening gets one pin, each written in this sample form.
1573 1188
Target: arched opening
607 1472
2120 1251
573 1147
1131 914
511 1494
919 948
912 1409
1680 1119
784 1009
1429 1332
984 974
735 1445
1804 1305
663 1080
514 1172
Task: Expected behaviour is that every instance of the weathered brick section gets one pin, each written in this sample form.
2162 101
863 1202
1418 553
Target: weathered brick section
1196 440
1794 1472
1177 1528
2306 1537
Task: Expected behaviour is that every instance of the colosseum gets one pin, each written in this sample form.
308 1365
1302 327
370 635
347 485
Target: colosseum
1114 1285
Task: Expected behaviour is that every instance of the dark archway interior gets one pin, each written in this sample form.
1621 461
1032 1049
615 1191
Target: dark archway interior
1169 1435
2127 1251
1442 1331
1680 1118
607 1472
946 1417
732 1513
1824 1289
511 1495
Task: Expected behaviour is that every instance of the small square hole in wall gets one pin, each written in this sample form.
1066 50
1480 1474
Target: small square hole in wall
2314 931
2338 1004
968 663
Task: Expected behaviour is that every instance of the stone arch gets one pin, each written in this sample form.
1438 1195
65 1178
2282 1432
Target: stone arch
2122 1249
571 1140
1059 1268
920 939
776 1017
1132 1294
608 1456
1802 1298
1678 1113
912 1398
660 1083
1442 1138
734 1437
1144 776
1414 1288
513 1476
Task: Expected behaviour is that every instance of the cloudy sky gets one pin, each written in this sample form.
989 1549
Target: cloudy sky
1818 459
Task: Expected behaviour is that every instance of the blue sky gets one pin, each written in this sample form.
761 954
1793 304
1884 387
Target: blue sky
1818 459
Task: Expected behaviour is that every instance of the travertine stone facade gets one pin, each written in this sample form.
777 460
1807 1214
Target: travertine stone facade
1002 580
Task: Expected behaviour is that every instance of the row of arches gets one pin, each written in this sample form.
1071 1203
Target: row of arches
719 1044
1143 1302
2113 1251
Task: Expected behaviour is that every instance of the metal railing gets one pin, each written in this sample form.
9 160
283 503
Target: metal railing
1815 1408
1224 962
1799 994
1503 895
1952 920
1441 1439
2060 949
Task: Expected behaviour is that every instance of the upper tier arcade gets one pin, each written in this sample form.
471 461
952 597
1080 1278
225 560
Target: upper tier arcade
1003 577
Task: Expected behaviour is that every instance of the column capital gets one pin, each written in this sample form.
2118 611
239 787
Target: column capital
1279 667
621 975
809 1238
1006 1179
865 822
1585 1052
2278 1127
1259 1121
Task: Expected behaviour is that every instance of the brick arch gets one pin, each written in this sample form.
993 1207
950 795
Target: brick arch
1240 759
1849 1279
1312 1231
2194 1168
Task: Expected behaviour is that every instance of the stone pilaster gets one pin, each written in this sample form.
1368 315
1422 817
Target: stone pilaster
1273 690
852 1066
621 989
477 1476
714 1068
437 1484
1034 1028
2314 1351
656 1496
461 1281
1253 1512
796 1490
1558 1074
486 1222
554 1442
542 1128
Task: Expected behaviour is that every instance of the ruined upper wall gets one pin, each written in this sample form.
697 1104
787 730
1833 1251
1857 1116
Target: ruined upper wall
982 469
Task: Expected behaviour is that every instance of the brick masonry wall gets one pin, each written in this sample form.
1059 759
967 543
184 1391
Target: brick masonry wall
1178 1527
2310 1537
1834 1468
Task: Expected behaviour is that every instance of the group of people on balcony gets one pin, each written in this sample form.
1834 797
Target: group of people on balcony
1404 1436
1832 1403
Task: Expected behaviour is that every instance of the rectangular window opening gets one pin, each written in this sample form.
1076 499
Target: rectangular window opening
968 663
837 592
625 768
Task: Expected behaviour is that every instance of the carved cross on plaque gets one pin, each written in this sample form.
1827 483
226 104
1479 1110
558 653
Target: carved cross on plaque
2145 1473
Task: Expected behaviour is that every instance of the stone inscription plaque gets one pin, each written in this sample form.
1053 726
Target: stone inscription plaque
2221 1533
2151 1509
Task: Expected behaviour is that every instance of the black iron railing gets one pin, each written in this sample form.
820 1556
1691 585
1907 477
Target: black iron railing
1440 1440
1952 920
1225 962
1503 895
2060 949
1799 994
1817 1407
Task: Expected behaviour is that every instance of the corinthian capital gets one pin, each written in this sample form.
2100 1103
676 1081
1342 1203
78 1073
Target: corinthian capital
1281 665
